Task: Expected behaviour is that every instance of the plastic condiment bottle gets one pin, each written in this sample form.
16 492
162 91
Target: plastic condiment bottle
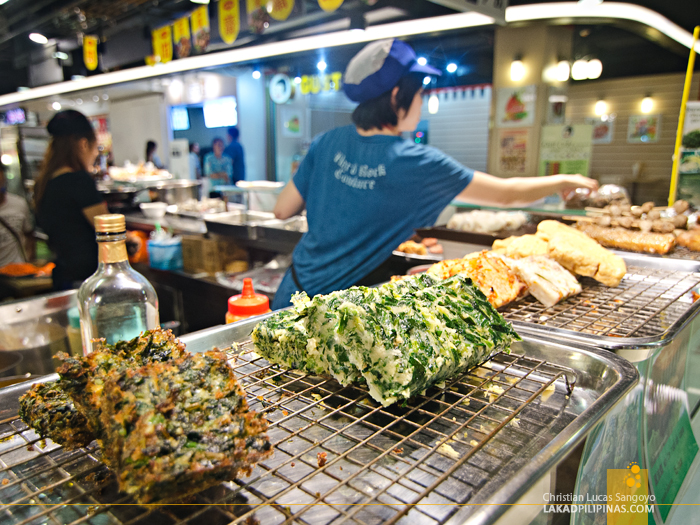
247 304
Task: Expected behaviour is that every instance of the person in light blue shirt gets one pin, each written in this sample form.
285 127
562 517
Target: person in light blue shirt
366 189
217 166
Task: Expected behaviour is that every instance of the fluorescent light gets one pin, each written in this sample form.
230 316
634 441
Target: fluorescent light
451 67
606 10
60 55
590 3
601 108
200 1
422 61
433 104
517 70
256 74
562 71
247 54
6 159
38 38
647 104
321 66
426 81
56 106
595 68
3 2
579 71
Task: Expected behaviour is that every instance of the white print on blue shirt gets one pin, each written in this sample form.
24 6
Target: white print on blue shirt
347 170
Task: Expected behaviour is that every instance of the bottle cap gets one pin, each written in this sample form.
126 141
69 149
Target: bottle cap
112 223
248 303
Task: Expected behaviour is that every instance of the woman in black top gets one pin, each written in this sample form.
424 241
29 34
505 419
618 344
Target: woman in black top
67 200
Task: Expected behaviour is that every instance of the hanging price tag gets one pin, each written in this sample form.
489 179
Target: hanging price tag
181 36
279 9
330 5
90 52
229 20
200 28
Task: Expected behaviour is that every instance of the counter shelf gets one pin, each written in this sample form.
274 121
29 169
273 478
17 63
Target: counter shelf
382 463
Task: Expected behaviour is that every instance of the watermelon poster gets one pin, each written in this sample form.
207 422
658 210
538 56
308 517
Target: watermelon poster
515 107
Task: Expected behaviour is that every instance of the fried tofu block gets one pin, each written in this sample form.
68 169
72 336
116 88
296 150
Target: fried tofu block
519 247
176 427
82 378
580 254
50 412
489 273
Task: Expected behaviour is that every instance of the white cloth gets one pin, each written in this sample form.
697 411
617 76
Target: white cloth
195 166
14 212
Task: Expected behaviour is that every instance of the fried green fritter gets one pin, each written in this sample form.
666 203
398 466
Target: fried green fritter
50 412
175 428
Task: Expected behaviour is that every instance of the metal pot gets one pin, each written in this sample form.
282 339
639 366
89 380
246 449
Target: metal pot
120 199
175 191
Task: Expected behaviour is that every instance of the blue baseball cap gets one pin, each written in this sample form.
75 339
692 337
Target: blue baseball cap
378 67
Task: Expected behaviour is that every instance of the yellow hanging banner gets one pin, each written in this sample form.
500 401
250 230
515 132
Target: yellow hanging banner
229 20
330 5
253 5
163 44
181 37
200 28
279 9
90 52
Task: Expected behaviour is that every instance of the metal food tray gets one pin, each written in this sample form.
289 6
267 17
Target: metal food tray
383 465
677 252
652 304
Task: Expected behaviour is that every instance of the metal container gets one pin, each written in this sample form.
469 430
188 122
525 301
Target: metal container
175 191
485 436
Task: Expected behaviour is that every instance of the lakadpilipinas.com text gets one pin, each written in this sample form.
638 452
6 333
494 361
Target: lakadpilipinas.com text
595 504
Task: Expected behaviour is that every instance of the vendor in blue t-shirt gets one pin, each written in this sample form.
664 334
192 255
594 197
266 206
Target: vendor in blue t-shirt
365 189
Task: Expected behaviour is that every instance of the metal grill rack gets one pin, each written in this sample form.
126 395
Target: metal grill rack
681 252
647 303
400 464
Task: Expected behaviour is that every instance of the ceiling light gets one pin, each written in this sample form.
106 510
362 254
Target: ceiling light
451 67
78 101
562 71
60 55
594 68
321 66
579 71
56 106
426 81
422 61
6 159
647 104
590 3
3 2
256 74
38 38
601 108
95 98
517 70
297 80
433 104
105 96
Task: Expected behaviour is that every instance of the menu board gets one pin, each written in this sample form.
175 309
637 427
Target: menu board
566 149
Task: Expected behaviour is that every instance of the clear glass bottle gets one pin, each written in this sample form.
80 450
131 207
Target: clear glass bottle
116 303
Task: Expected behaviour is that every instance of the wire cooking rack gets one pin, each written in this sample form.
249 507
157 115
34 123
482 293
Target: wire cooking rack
339 456
681 252
646 303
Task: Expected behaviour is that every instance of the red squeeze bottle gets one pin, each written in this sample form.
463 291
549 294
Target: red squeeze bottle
247 304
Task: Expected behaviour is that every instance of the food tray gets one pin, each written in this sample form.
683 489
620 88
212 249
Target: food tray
383 465
652 304
677 252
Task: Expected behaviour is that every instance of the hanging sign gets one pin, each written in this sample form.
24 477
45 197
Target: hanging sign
162 44
279 9
317 83
181 36
200 28
281 88
330 5
229 20
90 52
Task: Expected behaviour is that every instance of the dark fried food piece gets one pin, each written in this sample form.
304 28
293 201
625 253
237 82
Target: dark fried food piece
47 409
175 428
321 459
82 378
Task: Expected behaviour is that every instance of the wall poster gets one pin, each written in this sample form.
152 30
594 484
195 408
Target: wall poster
643 129
292 119
602 130
565 149
512 151
515 107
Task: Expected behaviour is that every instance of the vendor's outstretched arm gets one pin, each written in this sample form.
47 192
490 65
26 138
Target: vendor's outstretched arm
487 190
289 203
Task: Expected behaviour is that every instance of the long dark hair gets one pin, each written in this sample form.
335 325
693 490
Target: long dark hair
379 112
150 148
67 129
